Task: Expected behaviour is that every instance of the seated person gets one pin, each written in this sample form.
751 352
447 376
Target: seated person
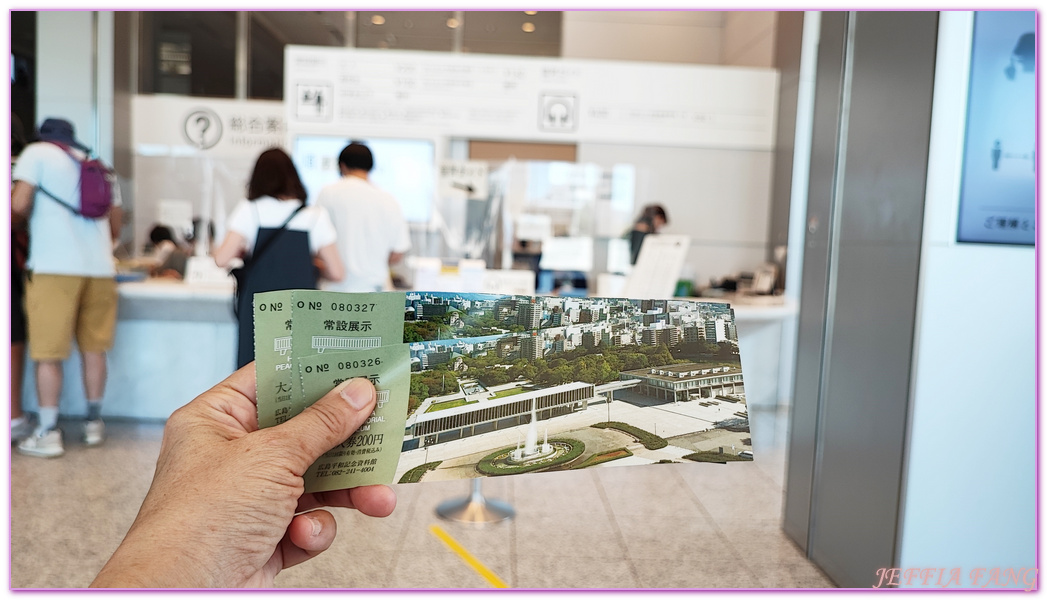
170 256
651 220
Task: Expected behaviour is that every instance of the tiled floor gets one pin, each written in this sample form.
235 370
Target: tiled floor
661 526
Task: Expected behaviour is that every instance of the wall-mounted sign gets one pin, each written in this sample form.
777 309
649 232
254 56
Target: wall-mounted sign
465 178
369 93
203 128
559 112
998 191
176 126
312 102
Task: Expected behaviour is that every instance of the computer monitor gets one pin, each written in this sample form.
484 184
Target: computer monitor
406 168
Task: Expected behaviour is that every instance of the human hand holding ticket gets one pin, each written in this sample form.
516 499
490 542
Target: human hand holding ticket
335 337
227 506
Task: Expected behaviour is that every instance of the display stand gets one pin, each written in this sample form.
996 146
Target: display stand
475 509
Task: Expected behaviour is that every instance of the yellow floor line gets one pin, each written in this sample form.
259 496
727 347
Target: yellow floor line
468 558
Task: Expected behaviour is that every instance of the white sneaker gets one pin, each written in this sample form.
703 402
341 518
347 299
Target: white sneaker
94 432
21 430
47 445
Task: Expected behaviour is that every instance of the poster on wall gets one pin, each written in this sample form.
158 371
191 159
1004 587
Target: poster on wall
998 191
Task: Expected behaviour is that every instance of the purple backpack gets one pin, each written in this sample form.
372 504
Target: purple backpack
96 189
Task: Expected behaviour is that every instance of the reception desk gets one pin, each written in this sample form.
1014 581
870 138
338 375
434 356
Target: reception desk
175 340
766 343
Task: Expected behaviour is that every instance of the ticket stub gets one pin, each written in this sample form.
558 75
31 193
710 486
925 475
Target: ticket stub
370 455
274 374
327 323
323 322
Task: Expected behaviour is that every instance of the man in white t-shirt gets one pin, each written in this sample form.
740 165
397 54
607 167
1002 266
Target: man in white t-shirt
70 287
372 231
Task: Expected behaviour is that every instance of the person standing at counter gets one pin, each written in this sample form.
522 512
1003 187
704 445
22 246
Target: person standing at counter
372 231
70 286
21 426
281 237
651 220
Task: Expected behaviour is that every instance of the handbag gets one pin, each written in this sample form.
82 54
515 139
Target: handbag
240 274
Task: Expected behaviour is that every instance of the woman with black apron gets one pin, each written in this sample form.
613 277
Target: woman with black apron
284 243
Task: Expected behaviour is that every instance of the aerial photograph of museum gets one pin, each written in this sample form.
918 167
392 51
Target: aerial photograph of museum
484 363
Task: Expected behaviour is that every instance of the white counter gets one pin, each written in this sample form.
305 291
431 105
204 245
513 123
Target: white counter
175 340
766 339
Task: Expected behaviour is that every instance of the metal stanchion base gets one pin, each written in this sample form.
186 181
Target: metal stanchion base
468 511
475 509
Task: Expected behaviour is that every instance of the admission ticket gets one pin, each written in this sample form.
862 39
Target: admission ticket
473 385
370 455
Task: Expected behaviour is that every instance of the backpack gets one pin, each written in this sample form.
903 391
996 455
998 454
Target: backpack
96 188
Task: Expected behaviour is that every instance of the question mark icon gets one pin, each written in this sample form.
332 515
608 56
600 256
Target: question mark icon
203 128
203 123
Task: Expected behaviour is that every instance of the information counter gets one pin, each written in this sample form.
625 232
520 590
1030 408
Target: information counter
176 340
766 339
173 341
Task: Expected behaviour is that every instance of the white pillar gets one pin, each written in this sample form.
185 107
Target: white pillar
74 64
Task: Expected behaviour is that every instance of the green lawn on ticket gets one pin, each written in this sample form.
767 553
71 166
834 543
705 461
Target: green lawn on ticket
449 404
508 392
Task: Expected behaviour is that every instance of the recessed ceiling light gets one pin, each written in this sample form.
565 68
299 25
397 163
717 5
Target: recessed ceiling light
528 27
530 12
452 22
377 20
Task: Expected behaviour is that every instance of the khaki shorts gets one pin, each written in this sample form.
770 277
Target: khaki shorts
58 307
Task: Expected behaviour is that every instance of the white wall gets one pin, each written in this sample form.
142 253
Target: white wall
720 198
969 496
748 38
661 36
736 38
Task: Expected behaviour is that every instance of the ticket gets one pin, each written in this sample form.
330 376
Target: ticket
327 323
475 385
370 455
274 376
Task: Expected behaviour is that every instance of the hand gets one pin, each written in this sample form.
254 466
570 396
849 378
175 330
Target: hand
223 507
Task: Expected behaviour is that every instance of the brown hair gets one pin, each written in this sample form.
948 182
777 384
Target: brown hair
274 175
650 212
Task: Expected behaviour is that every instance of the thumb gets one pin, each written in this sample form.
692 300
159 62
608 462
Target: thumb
327 423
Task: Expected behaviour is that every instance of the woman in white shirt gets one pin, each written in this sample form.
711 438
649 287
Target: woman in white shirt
285 244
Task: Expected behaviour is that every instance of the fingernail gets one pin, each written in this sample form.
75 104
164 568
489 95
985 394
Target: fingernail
317 526
358 393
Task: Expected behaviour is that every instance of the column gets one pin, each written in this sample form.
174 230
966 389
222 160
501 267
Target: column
74 65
